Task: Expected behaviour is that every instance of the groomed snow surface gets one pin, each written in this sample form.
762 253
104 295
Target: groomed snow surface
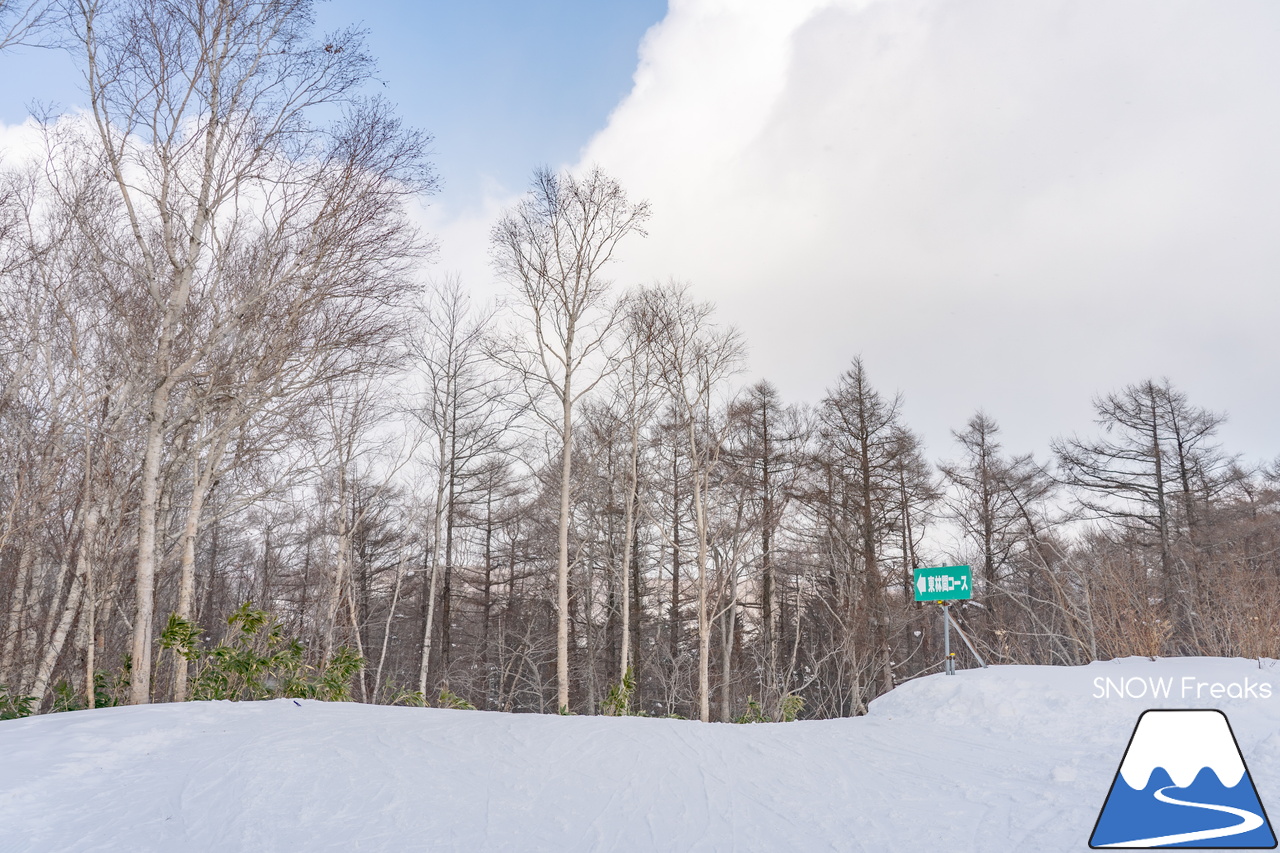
1009 758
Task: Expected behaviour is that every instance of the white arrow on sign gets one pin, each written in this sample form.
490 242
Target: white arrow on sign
920 585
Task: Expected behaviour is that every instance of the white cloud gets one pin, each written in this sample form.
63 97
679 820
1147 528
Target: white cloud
20 143
462 241
998 204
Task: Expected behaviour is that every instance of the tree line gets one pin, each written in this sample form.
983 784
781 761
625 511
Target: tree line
245 452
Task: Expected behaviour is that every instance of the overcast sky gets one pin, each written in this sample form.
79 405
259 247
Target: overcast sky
1005 204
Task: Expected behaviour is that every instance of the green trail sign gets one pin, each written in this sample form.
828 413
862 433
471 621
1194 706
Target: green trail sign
949 583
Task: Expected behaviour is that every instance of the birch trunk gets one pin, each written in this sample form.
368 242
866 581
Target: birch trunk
629 523
32 638
17 608
75 603
562 560
355 629
91 634
187 570
726 651
386 633
145 571
339 569
428 623
704 625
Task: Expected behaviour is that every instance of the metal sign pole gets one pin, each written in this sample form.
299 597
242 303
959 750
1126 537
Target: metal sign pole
944 585
946 641
965 637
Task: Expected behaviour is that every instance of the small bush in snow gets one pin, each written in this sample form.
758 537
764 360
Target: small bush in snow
13 707
258 661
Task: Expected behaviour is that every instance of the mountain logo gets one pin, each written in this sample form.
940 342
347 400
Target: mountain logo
1183 783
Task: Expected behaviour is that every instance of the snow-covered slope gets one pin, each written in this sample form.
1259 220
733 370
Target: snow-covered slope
1010 758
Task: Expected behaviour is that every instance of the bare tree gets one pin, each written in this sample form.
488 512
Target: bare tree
552 249
463 413
693 358
863 443
236 210
634 392
1161 446
992 496
19 19
769 450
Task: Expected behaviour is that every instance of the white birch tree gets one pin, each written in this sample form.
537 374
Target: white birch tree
234 211
552 250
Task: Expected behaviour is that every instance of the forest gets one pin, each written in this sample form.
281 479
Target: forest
251 446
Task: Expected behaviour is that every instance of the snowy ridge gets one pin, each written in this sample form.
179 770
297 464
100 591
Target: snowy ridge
1011 758
1183 743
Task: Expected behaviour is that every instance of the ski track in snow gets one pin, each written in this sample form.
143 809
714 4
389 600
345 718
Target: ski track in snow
1006 759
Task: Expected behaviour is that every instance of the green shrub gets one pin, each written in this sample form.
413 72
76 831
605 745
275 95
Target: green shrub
108 691
411 698
618 702
791 706
753 714
12 707
257 661
67 698
449 699
182 637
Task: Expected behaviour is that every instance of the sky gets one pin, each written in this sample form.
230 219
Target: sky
1007 205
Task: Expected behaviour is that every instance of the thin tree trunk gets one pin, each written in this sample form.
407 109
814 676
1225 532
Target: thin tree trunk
446 591
624 656
91 634
675 562
17 607
73 605
562 560
1173 593
874 584
428 622
485 663
769 582
34 635
210 592
187 568
145 570
704 624
590 638
340 567
726 651
31 639
356 630
636 609
426 631
386 632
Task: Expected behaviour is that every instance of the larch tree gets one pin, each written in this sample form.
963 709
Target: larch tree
769 452
864 440
552 249
991 496
1157 445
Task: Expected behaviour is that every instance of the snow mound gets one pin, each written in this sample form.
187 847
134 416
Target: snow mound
1007 758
